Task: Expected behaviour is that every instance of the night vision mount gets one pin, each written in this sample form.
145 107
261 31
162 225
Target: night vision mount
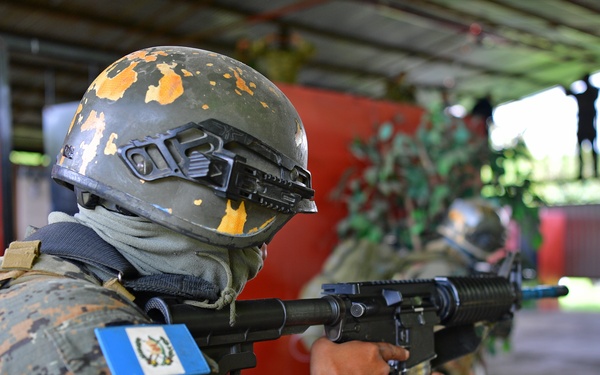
197 152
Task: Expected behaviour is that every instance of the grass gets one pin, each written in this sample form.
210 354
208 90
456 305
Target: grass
584 294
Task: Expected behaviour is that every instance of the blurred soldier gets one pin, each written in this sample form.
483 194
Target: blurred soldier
471 232
482 115
586 121
179 159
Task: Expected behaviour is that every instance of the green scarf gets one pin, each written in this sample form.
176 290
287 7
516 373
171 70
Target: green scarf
154 249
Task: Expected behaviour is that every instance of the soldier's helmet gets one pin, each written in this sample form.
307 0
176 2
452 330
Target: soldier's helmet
474 226
192 140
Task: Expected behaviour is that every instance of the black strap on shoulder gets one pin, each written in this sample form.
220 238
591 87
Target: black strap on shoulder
183 286
77 242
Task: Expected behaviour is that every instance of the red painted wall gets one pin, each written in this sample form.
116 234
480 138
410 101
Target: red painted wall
551 262
296 254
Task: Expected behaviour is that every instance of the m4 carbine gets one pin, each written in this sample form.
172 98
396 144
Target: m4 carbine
435 319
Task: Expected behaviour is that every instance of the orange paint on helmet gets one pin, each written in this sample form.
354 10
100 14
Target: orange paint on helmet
111 147
170 86
95 122
77 112
114 88
263 226
240 83
234 219
144 55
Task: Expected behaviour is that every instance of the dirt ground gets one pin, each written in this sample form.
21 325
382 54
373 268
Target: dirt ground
551 343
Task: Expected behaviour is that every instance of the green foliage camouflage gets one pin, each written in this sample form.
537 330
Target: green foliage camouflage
402 184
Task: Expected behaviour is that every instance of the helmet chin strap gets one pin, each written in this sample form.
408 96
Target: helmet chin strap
86 199
89 200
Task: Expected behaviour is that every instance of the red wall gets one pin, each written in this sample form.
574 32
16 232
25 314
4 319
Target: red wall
296 254
551 262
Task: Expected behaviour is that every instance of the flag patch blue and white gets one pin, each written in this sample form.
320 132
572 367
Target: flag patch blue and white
151 350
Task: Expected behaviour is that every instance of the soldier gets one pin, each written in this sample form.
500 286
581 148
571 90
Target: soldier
471 232
586 121
172 154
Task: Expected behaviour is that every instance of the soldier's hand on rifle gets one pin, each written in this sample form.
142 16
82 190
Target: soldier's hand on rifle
353 357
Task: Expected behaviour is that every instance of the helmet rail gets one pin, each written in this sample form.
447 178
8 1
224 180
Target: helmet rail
222 170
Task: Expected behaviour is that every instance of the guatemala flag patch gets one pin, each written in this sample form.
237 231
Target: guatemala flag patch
151 350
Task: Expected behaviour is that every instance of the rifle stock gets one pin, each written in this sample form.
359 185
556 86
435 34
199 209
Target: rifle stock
409 313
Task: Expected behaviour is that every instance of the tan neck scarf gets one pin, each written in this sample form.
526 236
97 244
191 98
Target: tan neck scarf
154 249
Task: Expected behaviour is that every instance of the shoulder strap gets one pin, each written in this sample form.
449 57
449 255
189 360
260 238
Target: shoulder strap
79 243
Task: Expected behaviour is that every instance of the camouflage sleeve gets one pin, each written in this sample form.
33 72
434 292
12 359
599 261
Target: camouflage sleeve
47 326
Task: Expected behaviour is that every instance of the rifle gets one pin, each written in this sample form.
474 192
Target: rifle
408 313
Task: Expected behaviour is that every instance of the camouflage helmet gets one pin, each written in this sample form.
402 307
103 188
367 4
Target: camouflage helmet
192 140
473 226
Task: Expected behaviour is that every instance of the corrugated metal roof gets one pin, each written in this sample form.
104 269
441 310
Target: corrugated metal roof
510 48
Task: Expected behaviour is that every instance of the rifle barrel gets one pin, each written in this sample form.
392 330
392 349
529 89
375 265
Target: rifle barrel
544 291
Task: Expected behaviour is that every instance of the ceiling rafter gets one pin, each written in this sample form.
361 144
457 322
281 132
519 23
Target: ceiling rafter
461 22
550 20
386 47
584 5
272 16
29 5
144 32
250 18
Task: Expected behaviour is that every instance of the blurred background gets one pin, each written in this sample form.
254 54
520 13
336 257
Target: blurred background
408 105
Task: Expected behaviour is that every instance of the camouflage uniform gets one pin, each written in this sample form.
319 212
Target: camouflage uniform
437 259
232 172
441 259
361 260
48 315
